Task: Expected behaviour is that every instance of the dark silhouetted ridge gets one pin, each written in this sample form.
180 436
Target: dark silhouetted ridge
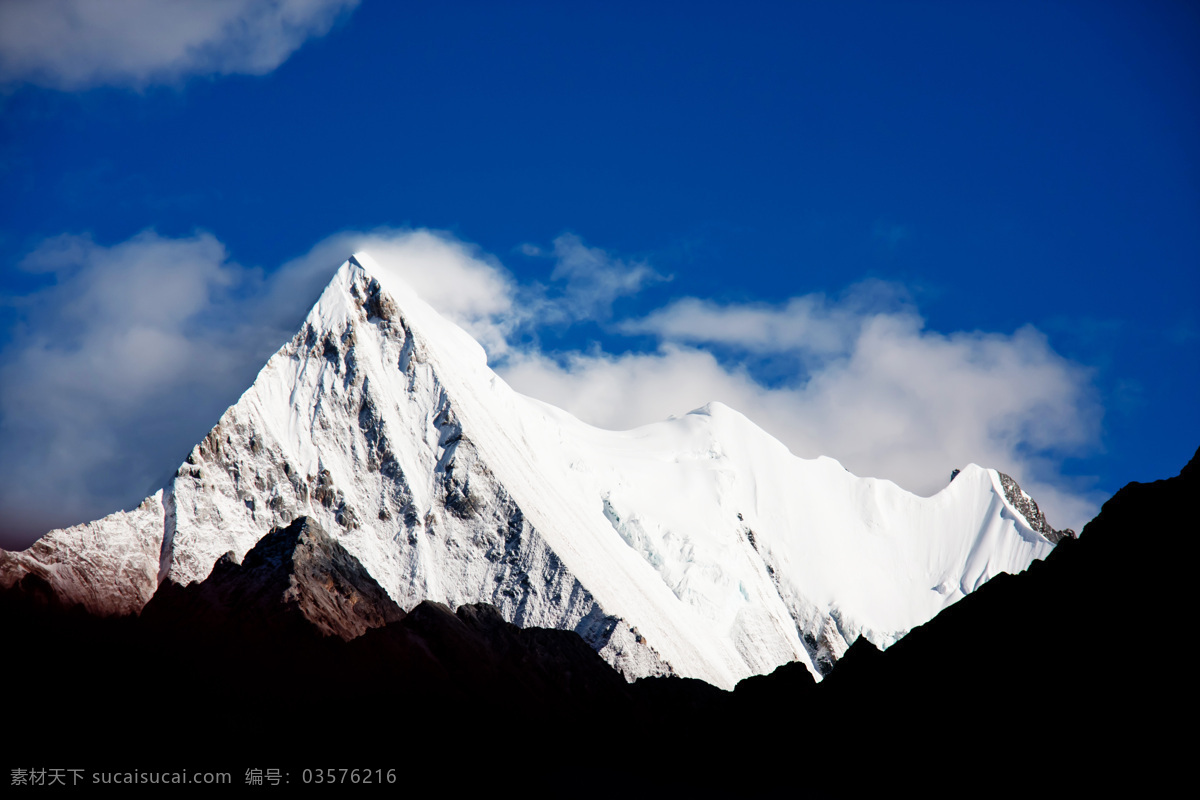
1064 677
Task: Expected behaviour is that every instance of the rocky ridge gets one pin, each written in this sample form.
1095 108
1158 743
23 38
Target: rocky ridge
1028 508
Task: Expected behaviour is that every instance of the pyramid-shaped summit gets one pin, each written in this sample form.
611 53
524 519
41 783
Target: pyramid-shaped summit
696 546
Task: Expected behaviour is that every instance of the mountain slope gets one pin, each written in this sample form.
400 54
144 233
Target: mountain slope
697 546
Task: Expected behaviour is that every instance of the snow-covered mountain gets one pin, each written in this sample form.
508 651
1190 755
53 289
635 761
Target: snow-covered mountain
697 546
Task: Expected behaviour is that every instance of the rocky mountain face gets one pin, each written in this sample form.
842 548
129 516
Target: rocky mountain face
697 547
1027 507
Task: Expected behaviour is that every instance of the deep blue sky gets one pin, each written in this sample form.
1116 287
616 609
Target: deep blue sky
1007 163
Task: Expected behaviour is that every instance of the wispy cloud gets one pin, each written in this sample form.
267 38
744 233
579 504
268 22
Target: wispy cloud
812 326
593 279
134 350
77 44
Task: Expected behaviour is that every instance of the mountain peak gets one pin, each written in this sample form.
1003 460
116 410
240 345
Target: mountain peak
696 546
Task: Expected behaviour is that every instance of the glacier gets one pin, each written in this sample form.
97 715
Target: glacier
698 546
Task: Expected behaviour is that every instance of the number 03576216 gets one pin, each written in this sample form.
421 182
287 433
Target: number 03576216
348 776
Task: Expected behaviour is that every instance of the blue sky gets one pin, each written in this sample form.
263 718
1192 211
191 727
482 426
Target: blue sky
906 235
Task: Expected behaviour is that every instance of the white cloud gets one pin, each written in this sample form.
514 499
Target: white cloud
812 326
134 351
591 280
76 44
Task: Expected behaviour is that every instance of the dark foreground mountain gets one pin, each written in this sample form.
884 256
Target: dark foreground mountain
297 632
1061 678
295 578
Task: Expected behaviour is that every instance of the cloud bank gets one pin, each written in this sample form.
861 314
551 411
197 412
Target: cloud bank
77 44
131 352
